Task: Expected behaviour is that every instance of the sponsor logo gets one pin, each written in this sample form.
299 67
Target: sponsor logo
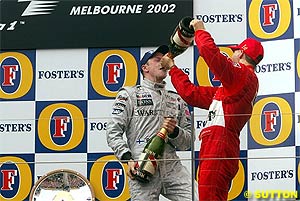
60 127
34 8
220 18
120 105
146 113
270 175
186 70
108 178
144 102
122 98
99 126
61 74
200 124
271 123
10 26
270 19
16 77
143 95
39 7
203 76
297 57
15 177
13 127
117 111
275 67
111 70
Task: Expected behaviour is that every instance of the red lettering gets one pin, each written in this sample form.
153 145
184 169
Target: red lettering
113 72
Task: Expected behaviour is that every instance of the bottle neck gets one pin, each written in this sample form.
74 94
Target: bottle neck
162 133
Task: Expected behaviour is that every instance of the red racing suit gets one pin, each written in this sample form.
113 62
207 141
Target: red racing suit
230 107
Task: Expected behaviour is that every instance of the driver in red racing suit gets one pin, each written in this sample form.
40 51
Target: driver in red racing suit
230 107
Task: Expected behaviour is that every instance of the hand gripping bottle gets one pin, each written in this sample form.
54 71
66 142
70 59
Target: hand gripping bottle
181 38
147 164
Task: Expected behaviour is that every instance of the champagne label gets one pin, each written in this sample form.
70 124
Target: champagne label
148 164
180 40
161 135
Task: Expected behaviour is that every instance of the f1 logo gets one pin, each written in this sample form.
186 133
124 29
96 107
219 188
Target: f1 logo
8 179
113 178
113 72
9 74
269 14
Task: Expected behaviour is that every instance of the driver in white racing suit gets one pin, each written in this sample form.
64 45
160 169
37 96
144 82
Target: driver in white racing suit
138 112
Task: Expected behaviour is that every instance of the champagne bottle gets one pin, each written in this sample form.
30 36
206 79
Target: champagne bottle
181 38
147 164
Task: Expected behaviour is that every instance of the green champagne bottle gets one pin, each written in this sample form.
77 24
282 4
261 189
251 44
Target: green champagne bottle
147 164
182 37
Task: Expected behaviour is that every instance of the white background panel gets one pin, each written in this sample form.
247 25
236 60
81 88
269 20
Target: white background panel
200 118
276 81
243 138
66 88
16 115
262 161
297 118
296 11
98 116
49 162
223 32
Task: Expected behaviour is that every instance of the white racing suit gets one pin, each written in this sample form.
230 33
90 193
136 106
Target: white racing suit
138 112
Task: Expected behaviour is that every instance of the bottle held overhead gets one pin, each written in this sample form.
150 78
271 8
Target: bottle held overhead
181 38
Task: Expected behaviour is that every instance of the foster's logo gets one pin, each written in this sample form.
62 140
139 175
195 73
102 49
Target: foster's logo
16 75
271 123
111 173
297 58
110 70
61 127
270 19
15 177
203 76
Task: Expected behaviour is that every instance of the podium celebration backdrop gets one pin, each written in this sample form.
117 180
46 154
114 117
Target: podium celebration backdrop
62 67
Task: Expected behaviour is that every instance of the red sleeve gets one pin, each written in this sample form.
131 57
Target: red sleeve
221 66
196 96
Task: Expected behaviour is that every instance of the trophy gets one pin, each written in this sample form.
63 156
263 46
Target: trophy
181 38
